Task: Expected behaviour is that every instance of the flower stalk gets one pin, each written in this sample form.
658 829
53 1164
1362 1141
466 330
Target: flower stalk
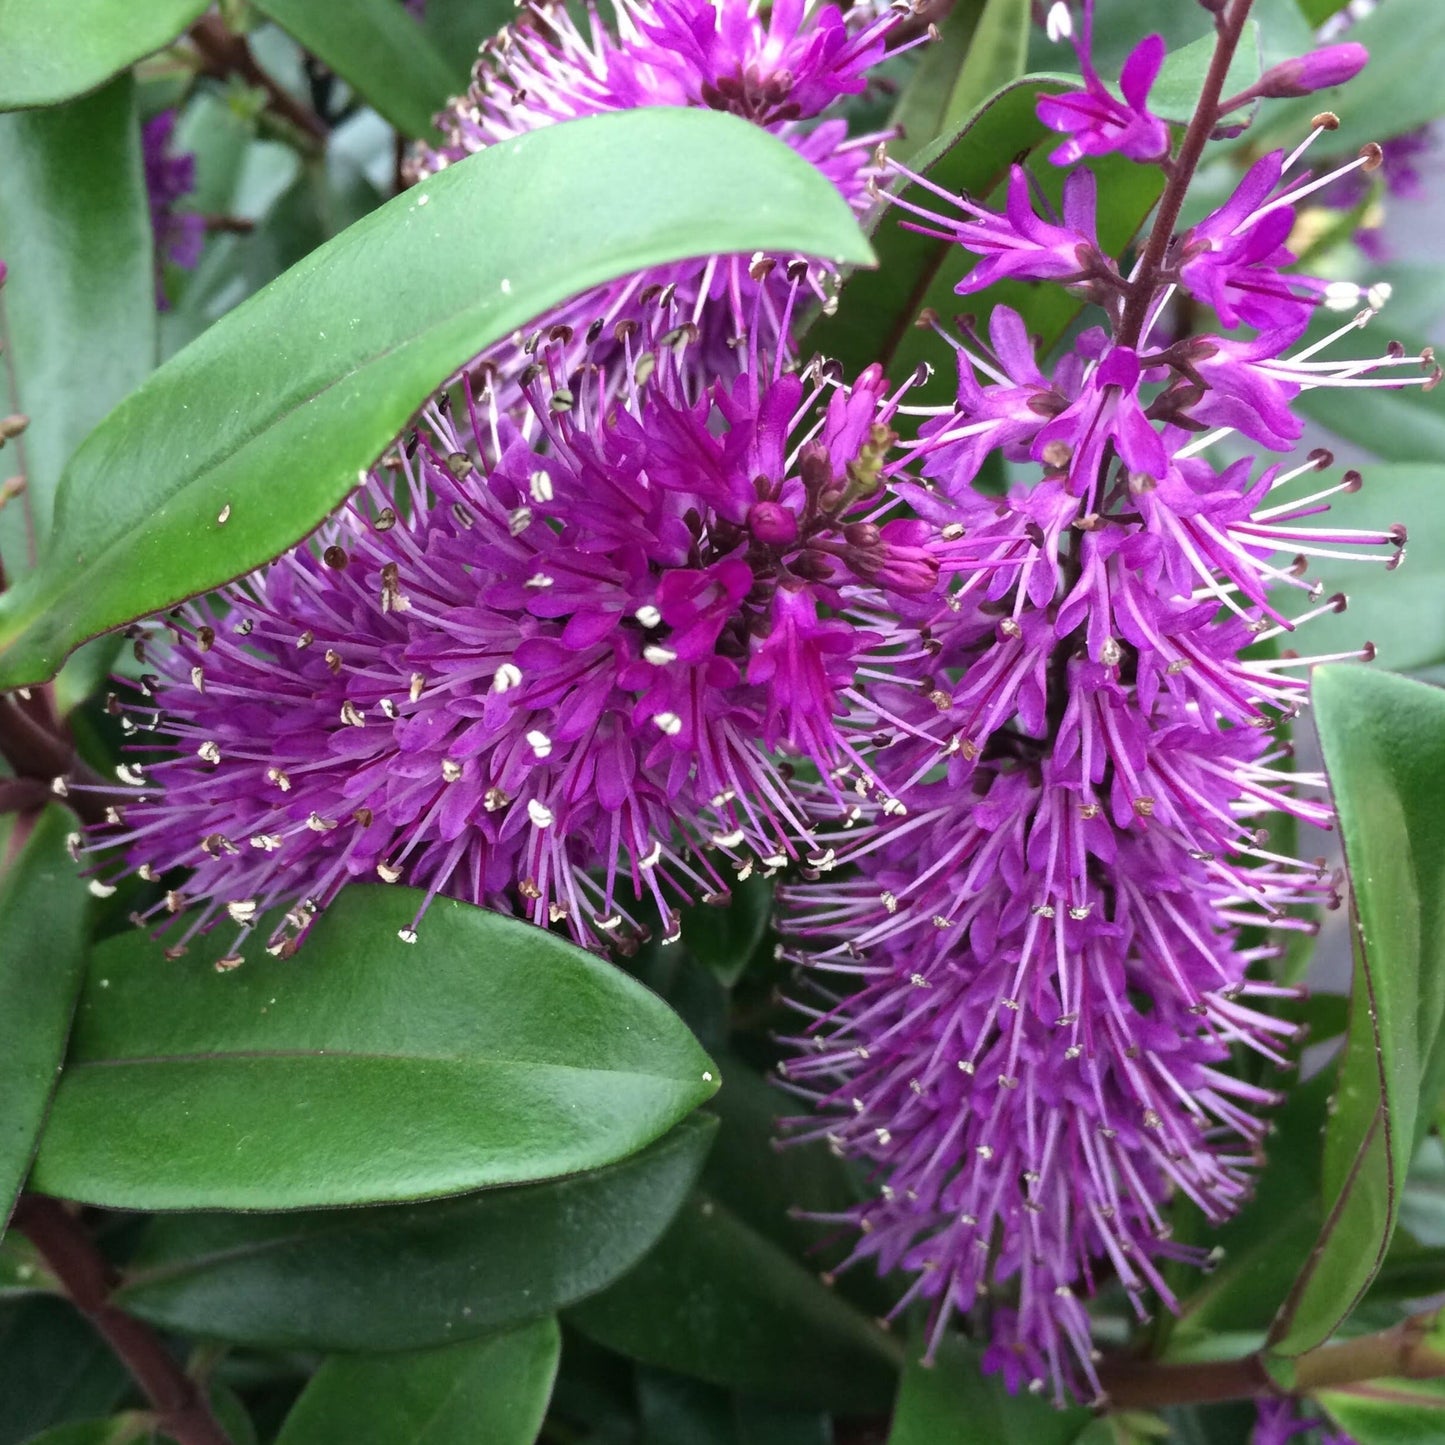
87 1279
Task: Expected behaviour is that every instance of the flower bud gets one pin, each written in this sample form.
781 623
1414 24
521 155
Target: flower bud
1319 70
773 524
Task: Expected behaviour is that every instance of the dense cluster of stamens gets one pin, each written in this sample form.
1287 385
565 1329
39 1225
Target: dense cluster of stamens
553 665
785 70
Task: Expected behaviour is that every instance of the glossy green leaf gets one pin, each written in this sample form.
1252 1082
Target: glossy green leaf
403 1277
42 961
952 1402
918 116
364 1071
54 1368
378 49
246 439
995 58
1383 739
51 50
494 1389
1389 1412
674 1408
79 305
717 1301
1380 600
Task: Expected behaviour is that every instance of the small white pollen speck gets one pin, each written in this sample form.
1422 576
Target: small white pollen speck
387 873
540 743
538 580
422 199
506 287
540 486
707 1076
209 752
451 770
407 935
225 515
648 615
539 813
1060 24
506 677
99 889
668 722
658 656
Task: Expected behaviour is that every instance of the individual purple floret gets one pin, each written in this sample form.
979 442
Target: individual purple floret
1287 1421
179 235
785 72
551 668
1097 121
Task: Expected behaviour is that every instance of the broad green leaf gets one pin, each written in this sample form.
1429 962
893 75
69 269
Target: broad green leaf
51 50
1389 1412
493 1390
717 1301
403 1277
952 1402
1393 94
918 115
79 305
42 961
378 49
364 1071
996 54
1380 601
54 1368
244 441
1383 739
675 1409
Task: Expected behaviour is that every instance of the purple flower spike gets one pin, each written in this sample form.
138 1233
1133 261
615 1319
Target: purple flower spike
547 667
179 235
1096 121
784 73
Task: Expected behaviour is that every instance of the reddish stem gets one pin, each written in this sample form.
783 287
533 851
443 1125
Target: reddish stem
87 1278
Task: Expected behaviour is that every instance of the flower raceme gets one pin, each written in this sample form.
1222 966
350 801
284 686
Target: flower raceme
1045 940
785 71
550 666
